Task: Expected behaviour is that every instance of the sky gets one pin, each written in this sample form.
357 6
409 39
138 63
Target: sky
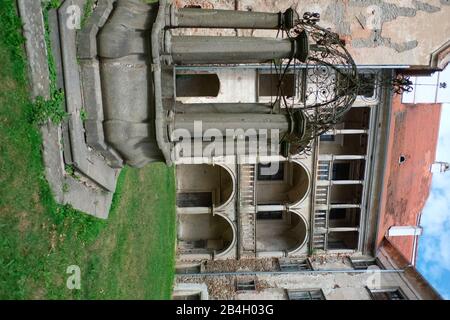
433 259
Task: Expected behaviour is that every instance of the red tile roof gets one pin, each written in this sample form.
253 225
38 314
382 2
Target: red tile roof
413 133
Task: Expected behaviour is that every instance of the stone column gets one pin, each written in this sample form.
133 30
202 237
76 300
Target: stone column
220 50
206 18
223 107
244 121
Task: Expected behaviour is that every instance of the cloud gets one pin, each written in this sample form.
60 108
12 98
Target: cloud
434 247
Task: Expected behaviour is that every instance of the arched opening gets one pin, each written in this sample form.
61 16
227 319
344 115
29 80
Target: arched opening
285 182
203 233
280 231
197 85
203 185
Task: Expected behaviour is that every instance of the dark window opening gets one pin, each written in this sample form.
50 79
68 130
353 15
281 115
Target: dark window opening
341 171
338 213
197 85
276 176
194 199
327 137
294 265
245 285
269 215
194 296
306 295
394 294
268 85
343 240
364 264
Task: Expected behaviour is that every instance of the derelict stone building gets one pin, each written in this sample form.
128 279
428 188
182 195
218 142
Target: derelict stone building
206 89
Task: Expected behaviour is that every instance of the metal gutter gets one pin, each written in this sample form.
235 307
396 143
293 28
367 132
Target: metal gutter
268 67
388 98
243 273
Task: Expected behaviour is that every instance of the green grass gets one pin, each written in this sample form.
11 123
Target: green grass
128 256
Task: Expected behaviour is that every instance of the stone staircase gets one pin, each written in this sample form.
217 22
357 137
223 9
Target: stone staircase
247 212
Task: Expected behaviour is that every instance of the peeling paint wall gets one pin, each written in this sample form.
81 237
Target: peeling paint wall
377 32
335 286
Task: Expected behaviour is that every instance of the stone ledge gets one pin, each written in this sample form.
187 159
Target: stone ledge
82 195
91 83
84 159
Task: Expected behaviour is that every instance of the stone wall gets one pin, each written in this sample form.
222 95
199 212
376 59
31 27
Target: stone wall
376 32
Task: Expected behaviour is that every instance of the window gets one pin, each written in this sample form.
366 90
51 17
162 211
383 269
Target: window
338 213
276 176
315 294
328 137
188 270
269 215
268 85
192 296
341 171
294 265
197 85
387 294
194 199
364 264
245 285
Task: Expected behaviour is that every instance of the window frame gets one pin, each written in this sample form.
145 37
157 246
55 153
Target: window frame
388 290
310 292
245 285
374 261
295 265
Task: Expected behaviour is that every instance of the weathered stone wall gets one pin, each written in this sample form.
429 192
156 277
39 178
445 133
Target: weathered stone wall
377 32
341 284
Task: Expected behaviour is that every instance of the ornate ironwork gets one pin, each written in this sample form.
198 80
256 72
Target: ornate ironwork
328 83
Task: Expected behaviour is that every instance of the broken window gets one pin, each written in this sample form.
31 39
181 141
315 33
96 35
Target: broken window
387 294
290 265
364 264
245 285
315 294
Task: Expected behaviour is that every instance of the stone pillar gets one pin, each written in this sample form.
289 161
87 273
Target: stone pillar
205 18
244 121
208 50
223 107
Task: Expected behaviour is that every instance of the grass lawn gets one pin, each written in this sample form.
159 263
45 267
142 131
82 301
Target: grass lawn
129 256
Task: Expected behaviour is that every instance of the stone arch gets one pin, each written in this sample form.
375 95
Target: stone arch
205 185
205 233
287 235
441 57
289 186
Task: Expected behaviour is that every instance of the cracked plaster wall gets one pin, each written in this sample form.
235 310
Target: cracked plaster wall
377 32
